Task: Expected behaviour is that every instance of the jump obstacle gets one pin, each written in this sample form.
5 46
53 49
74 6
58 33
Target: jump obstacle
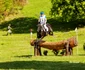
65 44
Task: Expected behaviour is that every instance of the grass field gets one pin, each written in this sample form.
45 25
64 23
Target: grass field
17 53
34 8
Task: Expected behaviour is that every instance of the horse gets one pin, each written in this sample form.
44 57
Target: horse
41 33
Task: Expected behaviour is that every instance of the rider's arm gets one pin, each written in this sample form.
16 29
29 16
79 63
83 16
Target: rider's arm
45 20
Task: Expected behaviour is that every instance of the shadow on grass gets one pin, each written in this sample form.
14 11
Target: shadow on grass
23 24
81 54
42 65
27 56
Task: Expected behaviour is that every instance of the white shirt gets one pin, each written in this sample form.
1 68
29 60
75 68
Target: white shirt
42 19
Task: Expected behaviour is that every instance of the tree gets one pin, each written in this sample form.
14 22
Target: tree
20 3
8 7
68 10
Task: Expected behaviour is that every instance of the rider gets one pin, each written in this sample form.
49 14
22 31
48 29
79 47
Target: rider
42 20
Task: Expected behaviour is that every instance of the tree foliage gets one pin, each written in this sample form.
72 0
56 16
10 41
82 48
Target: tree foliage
68 10
8 7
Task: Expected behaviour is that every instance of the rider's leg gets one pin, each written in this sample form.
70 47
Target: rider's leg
46 27
42 27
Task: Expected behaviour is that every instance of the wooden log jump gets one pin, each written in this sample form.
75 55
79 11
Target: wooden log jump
65 44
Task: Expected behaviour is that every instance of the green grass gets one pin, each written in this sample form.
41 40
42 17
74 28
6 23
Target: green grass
33 8
17 53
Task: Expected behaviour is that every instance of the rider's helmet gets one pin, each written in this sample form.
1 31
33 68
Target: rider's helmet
41 13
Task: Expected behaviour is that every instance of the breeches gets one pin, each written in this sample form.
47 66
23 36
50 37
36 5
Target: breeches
42 27
46 27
